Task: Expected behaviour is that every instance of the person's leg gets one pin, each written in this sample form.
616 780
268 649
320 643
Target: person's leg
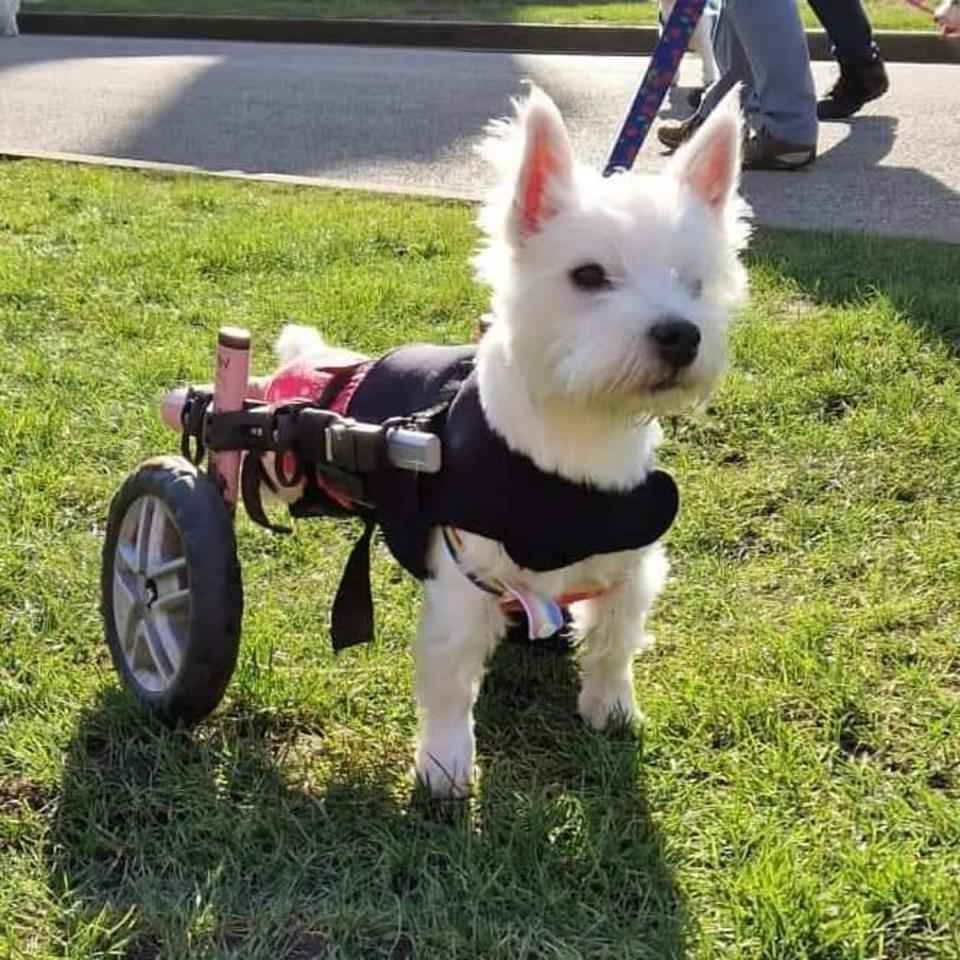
863 76
771 37
732 63
761 44
847 27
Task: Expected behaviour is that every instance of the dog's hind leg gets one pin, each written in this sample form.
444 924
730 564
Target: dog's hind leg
613 630
459 628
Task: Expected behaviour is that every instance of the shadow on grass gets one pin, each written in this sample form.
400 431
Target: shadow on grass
579 798
211 843
849 270
839 269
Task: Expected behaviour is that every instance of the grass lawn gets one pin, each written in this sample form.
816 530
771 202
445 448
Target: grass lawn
885 14
795 793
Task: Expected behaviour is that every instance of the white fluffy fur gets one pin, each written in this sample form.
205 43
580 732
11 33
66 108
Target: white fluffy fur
8 17
296 341
572 379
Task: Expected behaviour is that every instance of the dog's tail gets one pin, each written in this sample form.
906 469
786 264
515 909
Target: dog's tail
296 340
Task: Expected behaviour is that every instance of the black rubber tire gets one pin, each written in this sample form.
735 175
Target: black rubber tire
209 652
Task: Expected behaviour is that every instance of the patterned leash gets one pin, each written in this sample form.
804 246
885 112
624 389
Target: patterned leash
667 55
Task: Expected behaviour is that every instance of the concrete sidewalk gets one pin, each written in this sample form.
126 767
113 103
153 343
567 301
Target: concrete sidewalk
409 118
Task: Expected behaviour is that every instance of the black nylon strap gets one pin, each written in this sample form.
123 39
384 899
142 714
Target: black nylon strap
192 418
252 476
351 620
338 380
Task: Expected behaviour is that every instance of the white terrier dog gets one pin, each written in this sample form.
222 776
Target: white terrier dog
8 18
610 303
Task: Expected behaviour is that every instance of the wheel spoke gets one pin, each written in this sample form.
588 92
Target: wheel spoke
165 629
124 607
127 553
155 535
167 568
156 650
144 525
168 602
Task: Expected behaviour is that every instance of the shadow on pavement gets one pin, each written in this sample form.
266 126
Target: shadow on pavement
849 188
290 109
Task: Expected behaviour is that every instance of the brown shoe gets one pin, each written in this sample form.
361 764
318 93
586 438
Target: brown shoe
671 135
761 151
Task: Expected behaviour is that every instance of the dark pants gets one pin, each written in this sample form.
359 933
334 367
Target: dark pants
847 27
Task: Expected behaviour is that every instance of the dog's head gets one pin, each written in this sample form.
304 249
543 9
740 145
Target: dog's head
613 292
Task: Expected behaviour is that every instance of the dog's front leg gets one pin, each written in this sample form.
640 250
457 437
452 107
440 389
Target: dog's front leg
613 630
459 628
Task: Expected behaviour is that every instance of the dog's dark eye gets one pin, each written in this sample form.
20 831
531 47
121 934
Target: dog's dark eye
693 287
590 276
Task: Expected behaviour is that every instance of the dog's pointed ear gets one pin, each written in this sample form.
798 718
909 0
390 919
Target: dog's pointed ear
546 169
709 163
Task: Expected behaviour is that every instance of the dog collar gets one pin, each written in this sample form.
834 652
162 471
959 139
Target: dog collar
544 614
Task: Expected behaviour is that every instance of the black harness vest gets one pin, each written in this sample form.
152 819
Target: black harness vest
544 521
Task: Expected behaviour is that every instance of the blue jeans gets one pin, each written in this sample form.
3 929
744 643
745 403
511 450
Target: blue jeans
761 44
847 27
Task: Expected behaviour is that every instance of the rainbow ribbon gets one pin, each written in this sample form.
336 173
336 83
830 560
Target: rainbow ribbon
544 616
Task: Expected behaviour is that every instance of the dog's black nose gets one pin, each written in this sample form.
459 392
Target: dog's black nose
676 341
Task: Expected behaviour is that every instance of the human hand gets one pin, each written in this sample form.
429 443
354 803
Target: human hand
948 17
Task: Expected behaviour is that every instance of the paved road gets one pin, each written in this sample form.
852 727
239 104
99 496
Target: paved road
409 118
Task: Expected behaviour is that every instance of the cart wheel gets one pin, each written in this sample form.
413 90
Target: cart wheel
171 594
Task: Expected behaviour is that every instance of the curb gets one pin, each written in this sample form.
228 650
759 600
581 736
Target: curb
897 46
446 196
162 168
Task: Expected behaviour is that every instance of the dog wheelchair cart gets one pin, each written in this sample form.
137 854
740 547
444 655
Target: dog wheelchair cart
171 590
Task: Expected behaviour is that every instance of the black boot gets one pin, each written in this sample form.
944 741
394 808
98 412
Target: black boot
861 80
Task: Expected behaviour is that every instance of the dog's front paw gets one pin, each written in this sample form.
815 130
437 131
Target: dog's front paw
604 705
444 765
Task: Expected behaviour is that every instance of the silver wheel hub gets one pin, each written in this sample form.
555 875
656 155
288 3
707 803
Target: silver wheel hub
151 594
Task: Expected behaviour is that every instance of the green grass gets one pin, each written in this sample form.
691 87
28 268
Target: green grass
885 14
795 794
